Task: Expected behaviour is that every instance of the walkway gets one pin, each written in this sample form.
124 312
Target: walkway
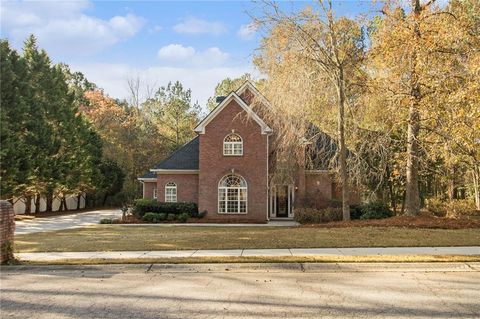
330 252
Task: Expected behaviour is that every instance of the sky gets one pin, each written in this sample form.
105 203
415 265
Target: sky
198 43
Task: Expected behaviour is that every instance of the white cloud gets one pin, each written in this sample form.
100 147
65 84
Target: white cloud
175 52
197 26
189 56
62 27
112 77
247 31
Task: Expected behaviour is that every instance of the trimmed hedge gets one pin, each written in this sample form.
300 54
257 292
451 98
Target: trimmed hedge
143 206
315 216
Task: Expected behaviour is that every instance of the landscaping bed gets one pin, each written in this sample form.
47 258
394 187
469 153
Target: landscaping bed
429 222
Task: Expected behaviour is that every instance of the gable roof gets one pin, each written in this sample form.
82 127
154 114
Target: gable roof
185 158
200 128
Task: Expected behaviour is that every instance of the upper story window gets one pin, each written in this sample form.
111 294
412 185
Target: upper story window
233 145
171 192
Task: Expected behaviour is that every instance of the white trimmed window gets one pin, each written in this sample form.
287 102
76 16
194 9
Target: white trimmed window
155 194
232 195
171 192
233 145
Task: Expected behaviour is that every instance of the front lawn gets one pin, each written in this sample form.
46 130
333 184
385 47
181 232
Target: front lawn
120 237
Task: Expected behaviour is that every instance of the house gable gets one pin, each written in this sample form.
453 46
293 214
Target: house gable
200 128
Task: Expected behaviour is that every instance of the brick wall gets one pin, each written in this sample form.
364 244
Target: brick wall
252 166
187 186
7 229
148 189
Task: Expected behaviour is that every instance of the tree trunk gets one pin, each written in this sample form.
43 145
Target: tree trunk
451 184
49 200
412 197
79 201
343 151
64 202
476 186
37 203
393 200
28 204
104 199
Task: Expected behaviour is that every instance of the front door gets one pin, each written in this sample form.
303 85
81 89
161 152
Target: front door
281 201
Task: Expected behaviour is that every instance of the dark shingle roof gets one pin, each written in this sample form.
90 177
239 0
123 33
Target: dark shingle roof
186 157
149 175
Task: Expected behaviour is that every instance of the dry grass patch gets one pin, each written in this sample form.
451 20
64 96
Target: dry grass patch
132 238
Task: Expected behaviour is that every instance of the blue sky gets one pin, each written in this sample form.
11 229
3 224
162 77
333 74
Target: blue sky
198 43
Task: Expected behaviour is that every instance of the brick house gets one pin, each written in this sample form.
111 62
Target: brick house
226 169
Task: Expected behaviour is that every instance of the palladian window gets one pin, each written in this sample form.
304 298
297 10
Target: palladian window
171 192
233 145
232 195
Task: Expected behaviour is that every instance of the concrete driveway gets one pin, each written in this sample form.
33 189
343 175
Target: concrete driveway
395 290
44 224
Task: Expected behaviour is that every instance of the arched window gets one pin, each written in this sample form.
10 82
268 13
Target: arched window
232 195
171 192
233 145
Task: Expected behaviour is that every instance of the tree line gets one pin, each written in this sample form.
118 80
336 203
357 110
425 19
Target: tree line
398 90
63 136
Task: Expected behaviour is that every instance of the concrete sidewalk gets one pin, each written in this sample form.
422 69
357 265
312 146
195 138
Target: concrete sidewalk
296 252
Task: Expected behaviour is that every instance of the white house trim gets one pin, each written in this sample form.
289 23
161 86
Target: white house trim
174 171
200 128
147 179
253 89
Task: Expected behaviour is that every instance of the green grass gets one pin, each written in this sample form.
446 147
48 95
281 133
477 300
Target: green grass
119 237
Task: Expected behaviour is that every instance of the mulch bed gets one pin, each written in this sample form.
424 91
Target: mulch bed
406 222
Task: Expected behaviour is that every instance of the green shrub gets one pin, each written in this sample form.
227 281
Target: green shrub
314 216
183 217
375 210
162 216
106 221
151 217
356 211
171 217
143 206
201 214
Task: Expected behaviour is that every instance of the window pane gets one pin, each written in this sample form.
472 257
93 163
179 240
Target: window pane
221 194
232 194
232 206
221 207
243 194
243 207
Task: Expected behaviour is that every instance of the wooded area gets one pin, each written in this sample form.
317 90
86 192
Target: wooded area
398 90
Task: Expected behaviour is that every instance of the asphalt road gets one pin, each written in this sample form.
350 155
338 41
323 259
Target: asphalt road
427 290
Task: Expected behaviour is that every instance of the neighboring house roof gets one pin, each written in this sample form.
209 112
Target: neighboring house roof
185 158
200 128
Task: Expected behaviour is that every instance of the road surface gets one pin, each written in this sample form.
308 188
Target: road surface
424 290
